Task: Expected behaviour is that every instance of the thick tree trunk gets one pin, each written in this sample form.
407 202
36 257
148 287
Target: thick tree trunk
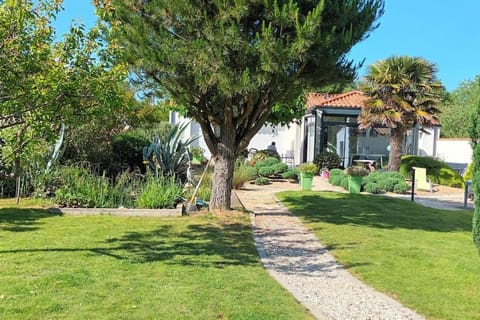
396 147
220 198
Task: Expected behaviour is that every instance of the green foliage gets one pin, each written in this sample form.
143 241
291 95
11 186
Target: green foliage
127 150
335 172
169 154
291 174
160 192
310 168
261 181
266 162
79 188
262 155
197 154
344 183
327 159
438 171
242 174
249 62
336 177
280 168
270 166
372 187
265 171
48 82
356 171
474 131
388 184
459 105
401 187
205 189
403 91
390 181
468 173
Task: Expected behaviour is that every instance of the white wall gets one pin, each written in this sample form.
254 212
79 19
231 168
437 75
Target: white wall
426 142
454 150
285 139
192 130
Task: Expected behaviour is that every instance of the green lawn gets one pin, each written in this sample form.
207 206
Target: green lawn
423 257
105 267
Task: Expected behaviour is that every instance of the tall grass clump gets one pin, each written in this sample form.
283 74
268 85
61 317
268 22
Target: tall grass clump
241 174
80 188
205 189
160 192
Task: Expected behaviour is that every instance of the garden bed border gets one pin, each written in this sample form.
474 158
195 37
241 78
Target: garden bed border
176 212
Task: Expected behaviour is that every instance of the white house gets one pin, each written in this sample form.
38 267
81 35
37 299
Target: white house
330 124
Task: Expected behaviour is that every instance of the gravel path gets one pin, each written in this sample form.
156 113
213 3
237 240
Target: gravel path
296 259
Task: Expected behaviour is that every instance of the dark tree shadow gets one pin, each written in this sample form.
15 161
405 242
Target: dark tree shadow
202 245
205 245
23 220
374 211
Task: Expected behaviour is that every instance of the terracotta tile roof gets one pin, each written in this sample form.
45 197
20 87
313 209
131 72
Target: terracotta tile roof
352 99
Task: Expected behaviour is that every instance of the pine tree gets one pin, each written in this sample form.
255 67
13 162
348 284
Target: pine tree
231 62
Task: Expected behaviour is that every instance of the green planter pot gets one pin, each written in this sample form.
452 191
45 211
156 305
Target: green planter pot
306 181
354 184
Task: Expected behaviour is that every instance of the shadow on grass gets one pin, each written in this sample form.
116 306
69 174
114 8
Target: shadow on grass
202 245
23 220
374 211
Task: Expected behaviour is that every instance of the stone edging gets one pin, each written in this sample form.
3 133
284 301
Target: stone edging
177 212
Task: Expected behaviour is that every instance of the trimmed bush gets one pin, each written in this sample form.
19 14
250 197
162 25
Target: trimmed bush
438 171
280 168
372 187
265 171
388 184
291 174
242 174
335 172
344 183
336 179
264 154
262 181
268 162
385 182
401 187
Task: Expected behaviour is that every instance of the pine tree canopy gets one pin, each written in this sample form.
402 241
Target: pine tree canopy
232 61
236 64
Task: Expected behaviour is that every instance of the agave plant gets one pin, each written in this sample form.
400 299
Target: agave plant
169 154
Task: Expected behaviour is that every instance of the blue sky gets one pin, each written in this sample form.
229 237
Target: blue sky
443 32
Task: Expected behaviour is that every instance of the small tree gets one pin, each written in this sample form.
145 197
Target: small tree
234 65
403 92
45 83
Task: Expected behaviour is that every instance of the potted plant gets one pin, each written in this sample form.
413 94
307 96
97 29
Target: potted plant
307 171
355 176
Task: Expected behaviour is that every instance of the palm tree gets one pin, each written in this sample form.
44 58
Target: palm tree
403 92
